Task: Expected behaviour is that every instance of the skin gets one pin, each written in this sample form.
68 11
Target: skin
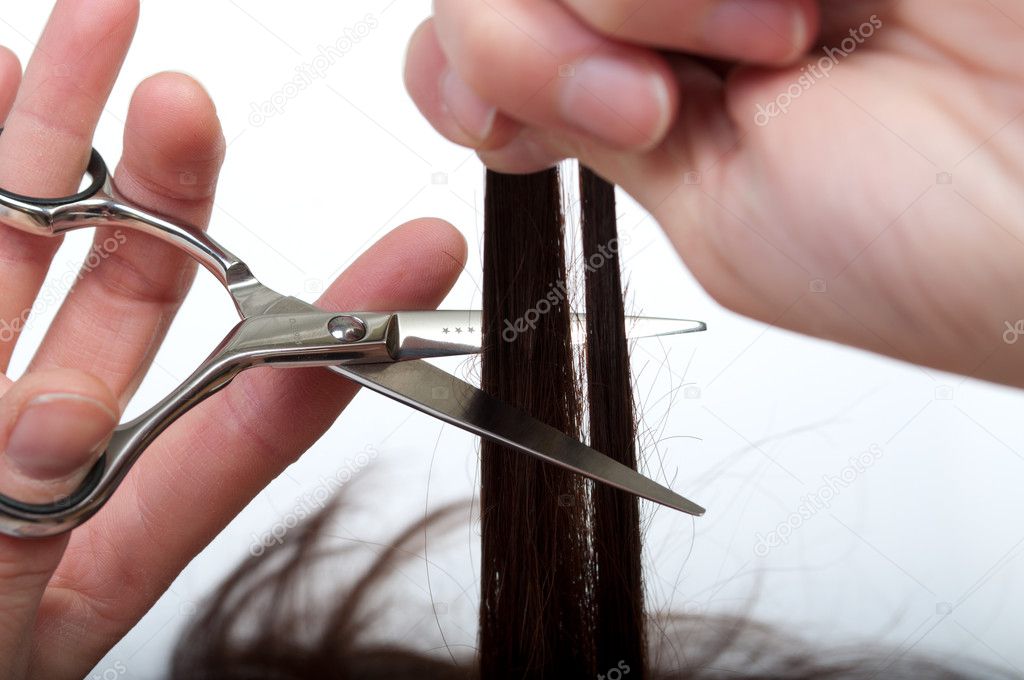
81 593
882 209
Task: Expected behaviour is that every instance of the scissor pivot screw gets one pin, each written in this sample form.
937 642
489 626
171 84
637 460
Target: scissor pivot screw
347 328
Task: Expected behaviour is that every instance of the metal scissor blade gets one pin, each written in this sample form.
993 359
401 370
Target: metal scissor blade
446 397
431 334
654 326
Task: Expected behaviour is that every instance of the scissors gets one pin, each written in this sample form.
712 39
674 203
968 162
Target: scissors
382 351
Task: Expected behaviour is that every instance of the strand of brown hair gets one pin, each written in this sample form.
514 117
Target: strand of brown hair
619 597
536 585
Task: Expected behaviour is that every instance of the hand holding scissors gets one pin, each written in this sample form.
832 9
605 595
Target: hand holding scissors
79 593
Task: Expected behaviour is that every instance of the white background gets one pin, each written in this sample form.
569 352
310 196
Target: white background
919 551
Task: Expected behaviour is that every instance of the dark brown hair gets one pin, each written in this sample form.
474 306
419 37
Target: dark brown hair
535 573
619 594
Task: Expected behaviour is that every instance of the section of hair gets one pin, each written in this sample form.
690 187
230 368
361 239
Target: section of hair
536 568
264 623
618 595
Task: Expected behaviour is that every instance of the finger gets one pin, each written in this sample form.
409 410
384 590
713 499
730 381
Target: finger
205 469
532 150
539 64
10 79
701 139
52 428
759 31
173 150
45 144
445 100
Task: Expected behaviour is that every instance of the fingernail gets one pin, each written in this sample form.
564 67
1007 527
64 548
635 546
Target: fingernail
473 114
756 29
57 435
619 101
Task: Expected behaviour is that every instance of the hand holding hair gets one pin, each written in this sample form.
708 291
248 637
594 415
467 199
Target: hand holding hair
850 170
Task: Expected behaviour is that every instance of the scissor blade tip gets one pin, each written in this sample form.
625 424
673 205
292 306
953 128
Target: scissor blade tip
679 326
656 327
675 501
690 508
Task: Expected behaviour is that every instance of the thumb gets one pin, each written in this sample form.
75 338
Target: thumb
53 426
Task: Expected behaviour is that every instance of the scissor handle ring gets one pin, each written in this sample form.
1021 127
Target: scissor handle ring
76 497
97 169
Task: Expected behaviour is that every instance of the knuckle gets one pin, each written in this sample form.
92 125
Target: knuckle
246 404
22 570
186 189
134 280
19 249
53 122
91 586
